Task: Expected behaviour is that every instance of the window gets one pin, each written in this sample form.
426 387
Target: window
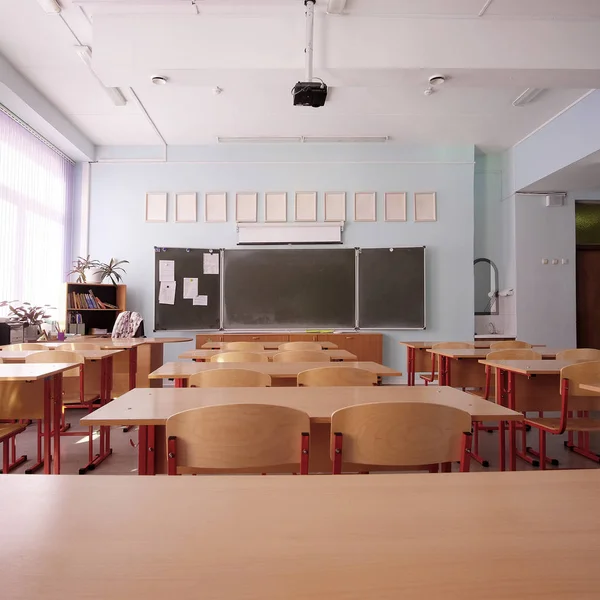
35 189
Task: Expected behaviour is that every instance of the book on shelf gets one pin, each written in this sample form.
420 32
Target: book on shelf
88 301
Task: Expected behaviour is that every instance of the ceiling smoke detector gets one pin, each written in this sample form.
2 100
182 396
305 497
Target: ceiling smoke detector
159 80
436 80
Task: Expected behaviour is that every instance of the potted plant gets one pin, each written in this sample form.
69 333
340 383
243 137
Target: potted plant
112 270
31 316
86 270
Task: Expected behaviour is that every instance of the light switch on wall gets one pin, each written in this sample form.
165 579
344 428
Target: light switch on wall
544 261
555 261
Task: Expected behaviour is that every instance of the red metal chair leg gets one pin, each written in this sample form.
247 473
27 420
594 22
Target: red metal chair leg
475 452
542 450
465 460
337 453
304 457
172 455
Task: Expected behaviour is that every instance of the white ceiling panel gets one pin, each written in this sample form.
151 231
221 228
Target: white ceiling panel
553 9
116 130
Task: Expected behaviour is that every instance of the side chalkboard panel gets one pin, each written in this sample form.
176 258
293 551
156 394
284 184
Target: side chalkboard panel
392 288
183 315
291 288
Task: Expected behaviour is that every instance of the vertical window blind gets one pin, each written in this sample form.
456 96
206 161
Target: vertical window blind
35 206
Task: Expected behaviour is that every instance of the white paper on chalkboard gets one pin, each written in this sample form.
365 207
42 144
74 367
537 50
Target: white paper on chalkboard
200 301
156 207
166 270
245 207
215 207
190 287
166 294
210 264
306 206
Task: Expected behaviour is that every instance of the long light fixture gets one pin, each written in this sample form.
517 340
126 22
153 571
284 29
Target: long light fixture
303 140
336 7
529 95
52 7
114 93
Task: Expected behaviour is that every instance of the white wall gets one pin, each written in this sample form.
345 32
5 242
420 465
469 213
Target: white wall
117 227
546 296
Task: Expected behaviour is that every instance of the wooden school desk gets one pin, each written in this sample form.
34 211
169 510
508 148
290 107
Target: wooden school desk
266 345
538 389
182 371
16 356
150 409
205 355
22 386
423 536
419 361
460 366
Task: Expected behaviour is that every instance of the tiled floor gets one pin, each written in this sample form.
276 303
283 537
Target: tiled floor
124 458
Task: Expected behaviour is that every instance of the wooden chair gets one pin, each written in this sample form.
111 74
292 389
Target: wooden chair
301 356
239 357
73 347
300 346
77 384
336 376
238 437
22 347
229 378
8 434
402 434
509 345
579 355
245 346
573 398
451 345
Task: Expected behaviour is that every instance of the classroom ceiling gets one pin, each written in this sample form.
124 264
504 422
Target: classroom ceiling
377 57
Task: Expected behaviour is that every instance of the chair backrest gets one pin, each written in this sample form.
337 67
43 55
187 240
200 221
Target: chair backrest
237 436
453 345
400 433
73 347
514 354
576 374
127 325
579 355
239 357
301 356
509 344
230 378
22 347
336 376
301 346
245 346
58 356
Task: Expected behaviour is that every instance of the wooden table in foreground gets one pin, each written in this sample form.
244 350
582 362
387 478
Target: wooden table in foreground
266 345
409 537
26 392
419 361
150 409
279 371
205 355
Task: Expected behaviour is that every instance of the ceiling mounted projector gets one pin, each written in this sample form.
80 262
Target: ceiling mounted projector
309 92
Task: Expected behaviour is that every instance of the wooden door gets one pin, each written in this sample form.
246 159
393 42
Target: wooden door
588 296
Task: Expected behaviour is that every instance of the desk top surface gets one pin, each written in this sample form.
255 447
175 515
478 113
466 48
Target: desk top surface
16 356
153 406
514 535
173 370
266 344
470 353
529 367
32 371
477 344
206 354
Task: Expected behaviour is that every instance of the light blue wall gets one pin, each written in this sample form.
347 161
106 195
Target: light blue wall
117 227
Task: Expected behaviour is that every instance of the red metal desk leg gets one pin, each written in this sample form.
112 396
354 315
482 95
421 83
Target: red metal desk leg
58 411
143 450
132 367
410 365
500 391
47 425
151 453
180 382
512 432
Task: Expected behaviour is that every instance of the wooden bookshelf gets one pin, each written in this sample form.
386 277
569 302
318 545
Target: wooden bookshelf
102 318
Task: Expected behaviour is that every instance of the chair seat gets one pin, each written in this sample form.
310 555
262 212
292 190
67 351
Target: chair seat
76 398
8 430
579 424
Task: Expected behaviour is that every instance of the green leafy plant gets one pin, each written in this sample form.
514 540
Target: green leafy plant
112 270
81 265
25 312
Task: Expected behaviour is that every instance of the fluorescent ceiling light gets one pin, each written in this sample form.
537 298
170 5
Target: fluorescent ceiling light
529 95
336 7
346 140
50 6
114 93
259 140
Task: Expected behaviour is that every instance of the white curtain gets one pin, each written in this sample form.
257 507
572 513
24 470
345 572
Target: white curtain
35 197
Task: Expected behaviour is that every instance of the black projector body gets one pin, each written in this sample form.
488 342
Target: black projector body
310 93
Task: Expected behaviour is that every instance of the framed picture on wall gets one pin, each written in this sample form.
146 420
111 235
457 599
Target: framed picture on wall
306 206
215 207
335 206
395 206
156 207
246 207
275 207
185 207
425 207
365 206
